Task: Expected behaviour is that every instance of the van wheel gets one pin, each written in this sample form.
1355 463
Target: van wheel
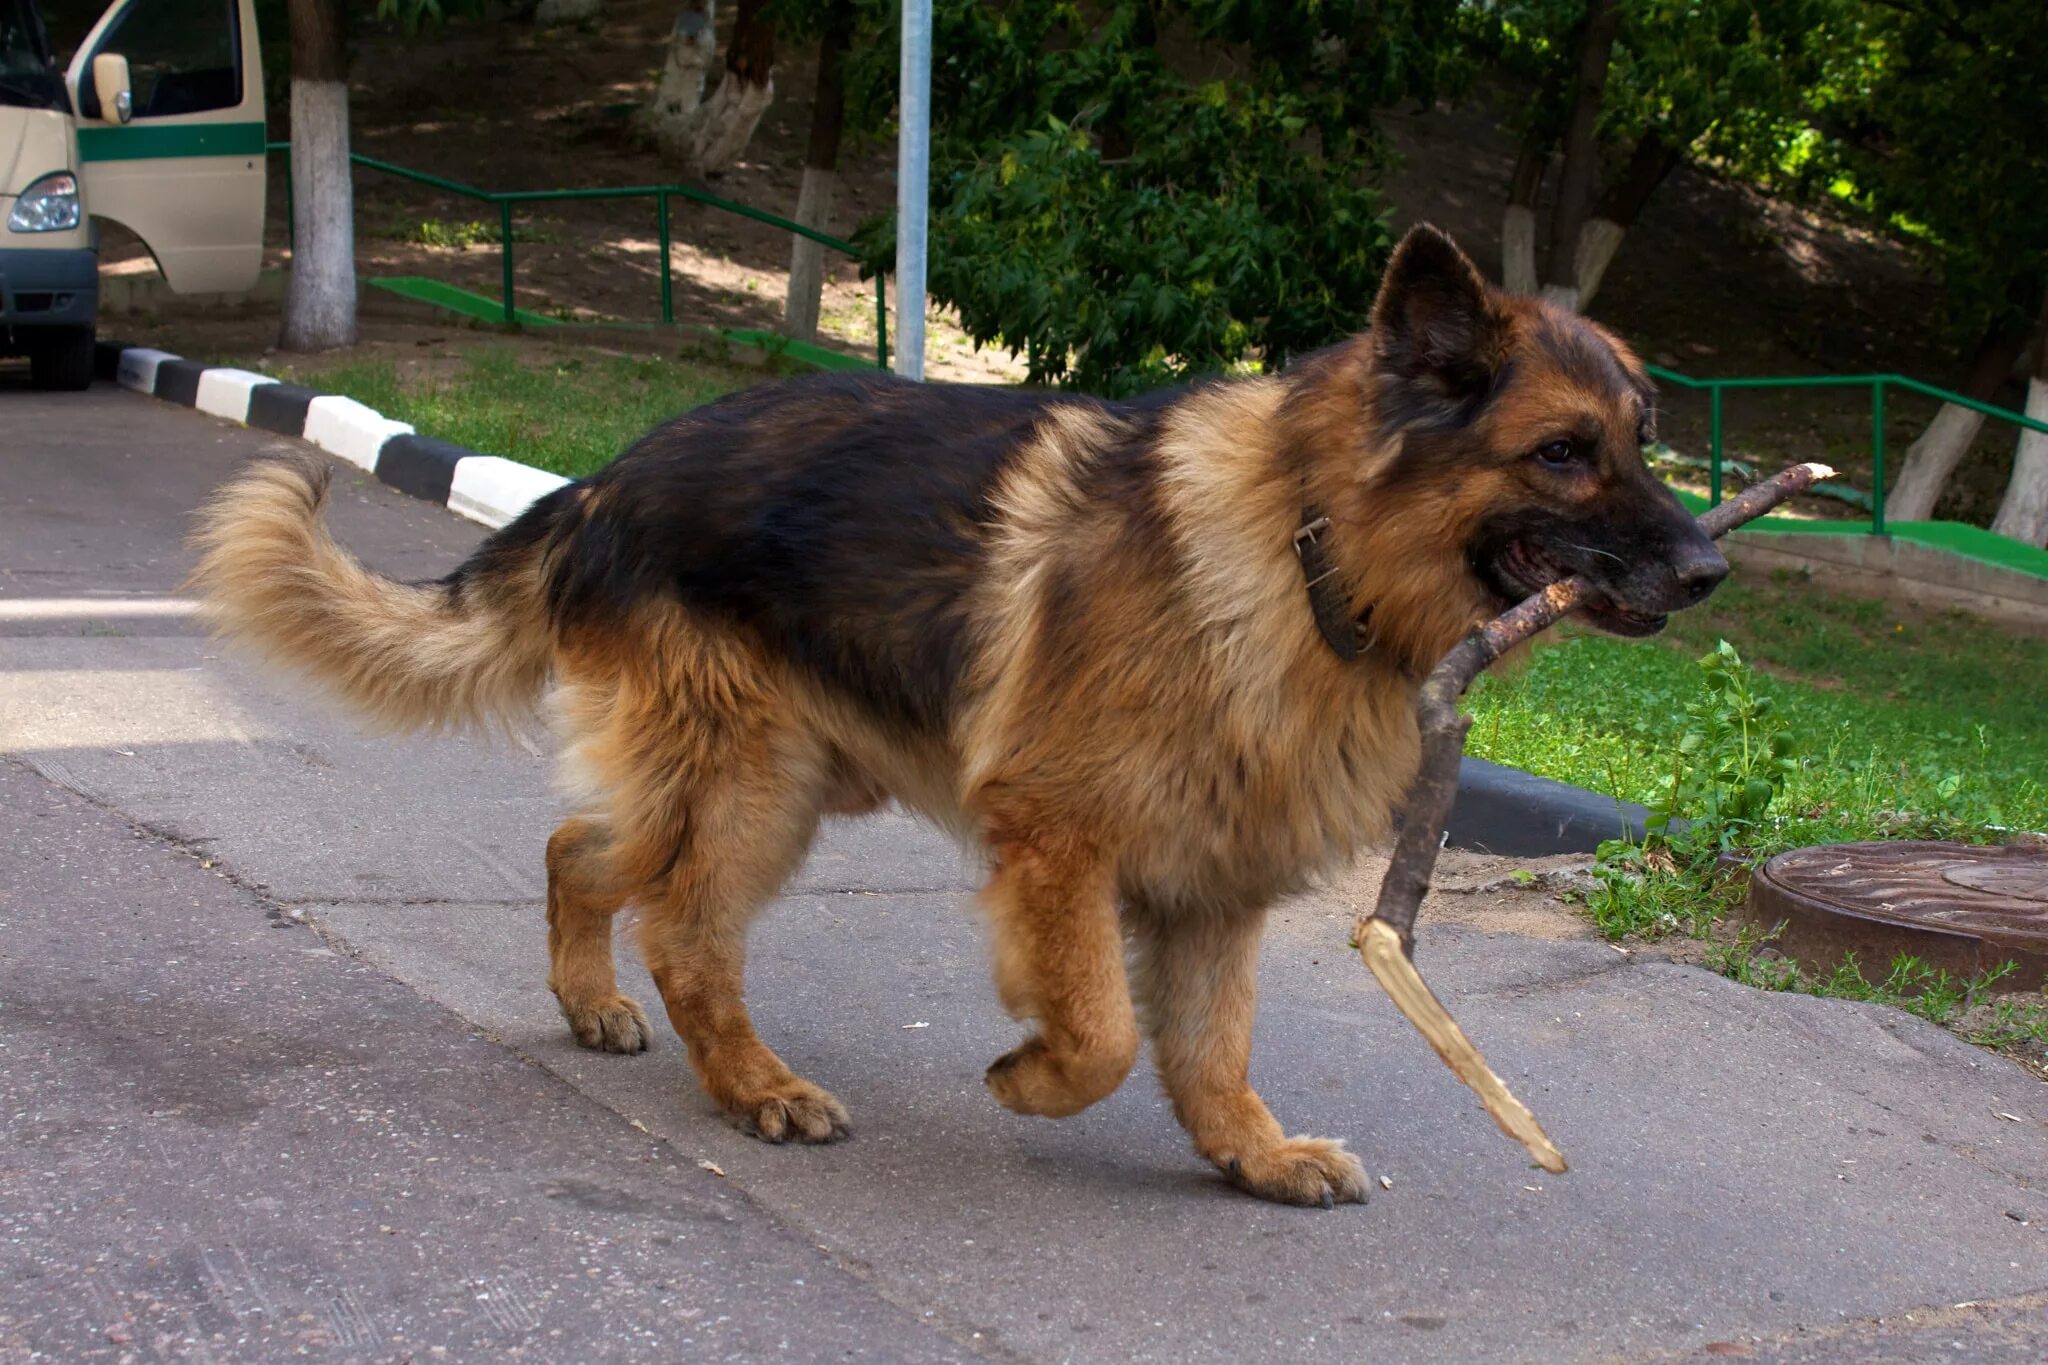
62 360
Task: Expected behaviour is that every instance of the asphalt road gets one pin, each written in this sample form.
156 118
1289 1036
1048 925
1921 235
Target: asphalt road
279 1069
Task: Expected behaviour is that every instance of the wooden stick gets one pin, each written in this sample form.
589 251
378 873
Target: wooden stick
1386 937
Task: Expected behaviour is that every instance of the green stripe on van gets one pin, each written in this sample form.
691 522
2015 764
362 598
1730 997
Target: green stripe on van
141 142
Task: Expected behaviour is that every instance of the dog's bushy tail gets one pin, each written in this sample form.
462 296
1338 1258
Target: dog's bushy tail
471 648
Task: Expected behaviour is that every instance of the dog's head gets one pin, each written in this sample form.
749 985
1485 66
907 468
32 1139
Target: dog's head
1523 425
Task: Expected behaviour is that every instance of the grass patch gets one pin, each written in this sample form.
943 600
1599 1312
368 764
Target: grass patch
1901 727
2016 1026
567 413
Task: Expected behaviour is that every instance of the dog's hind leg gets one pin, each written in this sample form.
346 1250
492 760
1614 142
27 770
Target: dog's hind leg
745 838
1196 979
583 896
1059 959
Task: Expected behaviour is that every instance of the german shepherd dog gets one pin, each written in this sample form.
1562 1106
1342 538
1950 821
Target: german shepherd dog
1156 660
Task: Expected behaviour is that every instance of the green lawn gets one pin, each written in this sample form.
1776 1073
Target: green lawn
560 411
1902 724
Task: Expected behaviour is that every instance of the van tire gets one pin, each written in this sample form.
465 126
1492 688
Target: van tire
62 360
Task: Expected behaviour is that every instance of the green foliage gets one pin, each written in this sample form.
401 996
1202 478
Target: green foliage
1731 761
1933 117
1122 220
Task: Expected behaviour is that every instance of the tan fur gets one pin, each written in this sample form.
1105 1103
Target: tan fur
1150 740
405 657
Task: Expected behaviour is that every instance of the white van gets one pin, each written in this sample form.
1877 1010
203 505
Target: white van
157 126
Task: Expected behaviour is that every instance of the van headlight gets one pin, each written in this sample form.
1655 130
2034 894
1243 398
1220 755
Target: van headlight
49 205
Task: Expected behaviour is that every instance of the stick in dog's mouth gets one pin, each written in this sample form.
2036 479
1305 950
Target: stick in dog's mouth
1386 937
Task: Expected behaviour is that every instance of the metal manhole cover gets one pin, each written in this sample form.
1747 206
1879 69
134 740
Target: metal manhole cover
1958 907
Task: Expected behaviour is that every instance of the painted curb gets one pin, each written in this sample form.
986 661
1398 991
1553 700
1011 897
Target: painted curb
484 488
1498 810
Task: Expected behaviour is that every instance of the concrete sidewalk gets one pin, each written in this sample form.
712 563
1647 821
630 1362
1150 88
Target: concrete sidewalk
1784 1173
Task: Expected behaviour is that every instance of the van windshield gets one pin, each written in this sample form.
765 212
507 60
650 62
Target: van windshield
28 74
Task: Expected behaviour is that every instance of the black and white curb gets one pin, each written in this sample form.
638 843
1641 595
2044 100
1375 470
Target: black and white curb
486 488
1498 810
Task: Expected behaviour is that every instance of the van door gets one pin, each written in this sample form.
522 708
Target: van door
174 152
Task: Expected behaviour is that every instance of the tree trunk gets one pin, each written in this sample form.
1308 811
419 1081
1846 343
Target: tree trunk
708 135
1652 160
320 300
679 97
814 198
2023 513
1518 222
1933 458
1581 150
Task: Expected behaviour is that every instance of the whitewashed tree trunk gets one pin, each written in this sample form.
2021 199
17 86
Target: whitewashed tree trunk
1599 239
806 257
549 13
692 49
1929 462
1565 296
320 300
724 125
1518 249
2023 514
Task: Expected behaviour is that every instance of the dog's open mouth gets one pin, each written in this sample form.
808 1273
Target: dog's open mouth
1521 570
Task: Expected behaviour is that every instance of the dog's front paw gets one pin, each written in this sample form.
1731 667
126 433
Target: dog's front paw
1035 1078
614 1025
795 1111
1301 1170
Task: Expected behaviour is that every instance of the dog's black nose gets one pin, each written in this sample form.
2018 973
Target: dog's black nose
1699 569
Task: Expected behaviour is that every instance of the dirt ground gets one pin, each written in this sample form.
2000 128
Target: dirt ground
1717 279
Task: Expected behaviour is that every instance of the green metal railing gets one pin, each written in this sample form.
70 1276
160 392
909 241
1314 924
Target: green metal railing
1877 383
504 201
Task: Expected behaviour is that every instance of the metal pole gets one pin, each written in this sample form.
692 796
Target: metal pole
1714 449
668 297
505 256
913 175
1877 458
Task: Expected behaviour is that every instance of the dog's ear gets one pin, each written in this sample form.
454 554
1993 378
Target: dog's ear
1435 327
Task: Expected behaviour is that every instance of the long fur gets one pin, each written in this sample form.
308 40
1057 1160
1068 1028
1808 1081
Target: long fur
404 656
1075 633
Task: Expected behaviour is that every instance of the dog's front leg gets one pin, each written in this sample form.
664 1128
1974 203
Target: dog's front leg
1196 974
1059 960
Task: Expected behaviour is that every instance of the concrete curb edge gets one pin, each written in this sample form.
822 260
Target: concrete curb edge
1499 810
484 488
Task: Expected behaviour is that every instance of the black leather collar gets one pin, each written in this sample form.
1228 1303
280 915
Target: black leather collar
1344 633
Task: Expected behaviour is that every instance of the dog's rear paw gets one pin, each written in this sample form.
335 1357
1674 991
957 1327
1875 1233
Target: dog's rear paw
1302 1170
614 1025
796 1111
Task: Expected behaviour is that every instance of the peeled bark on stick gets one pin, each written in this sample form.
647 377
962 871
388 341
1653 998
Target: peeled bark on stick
1385 938
1581 150
814 196
1934 456
320 298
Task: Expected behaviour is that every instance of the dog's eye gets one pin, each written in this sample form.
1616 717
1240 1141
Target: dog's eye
1556 454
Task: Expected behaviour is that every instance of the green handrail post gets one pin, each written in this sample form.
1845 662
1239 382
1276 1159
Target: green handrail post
505 256
1714 456
881 320
1877 457
668 297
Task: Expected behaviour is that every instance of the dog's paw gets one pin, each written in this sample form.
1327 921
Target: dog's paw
1035 1079
795 1111
1303 1170
614 1025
